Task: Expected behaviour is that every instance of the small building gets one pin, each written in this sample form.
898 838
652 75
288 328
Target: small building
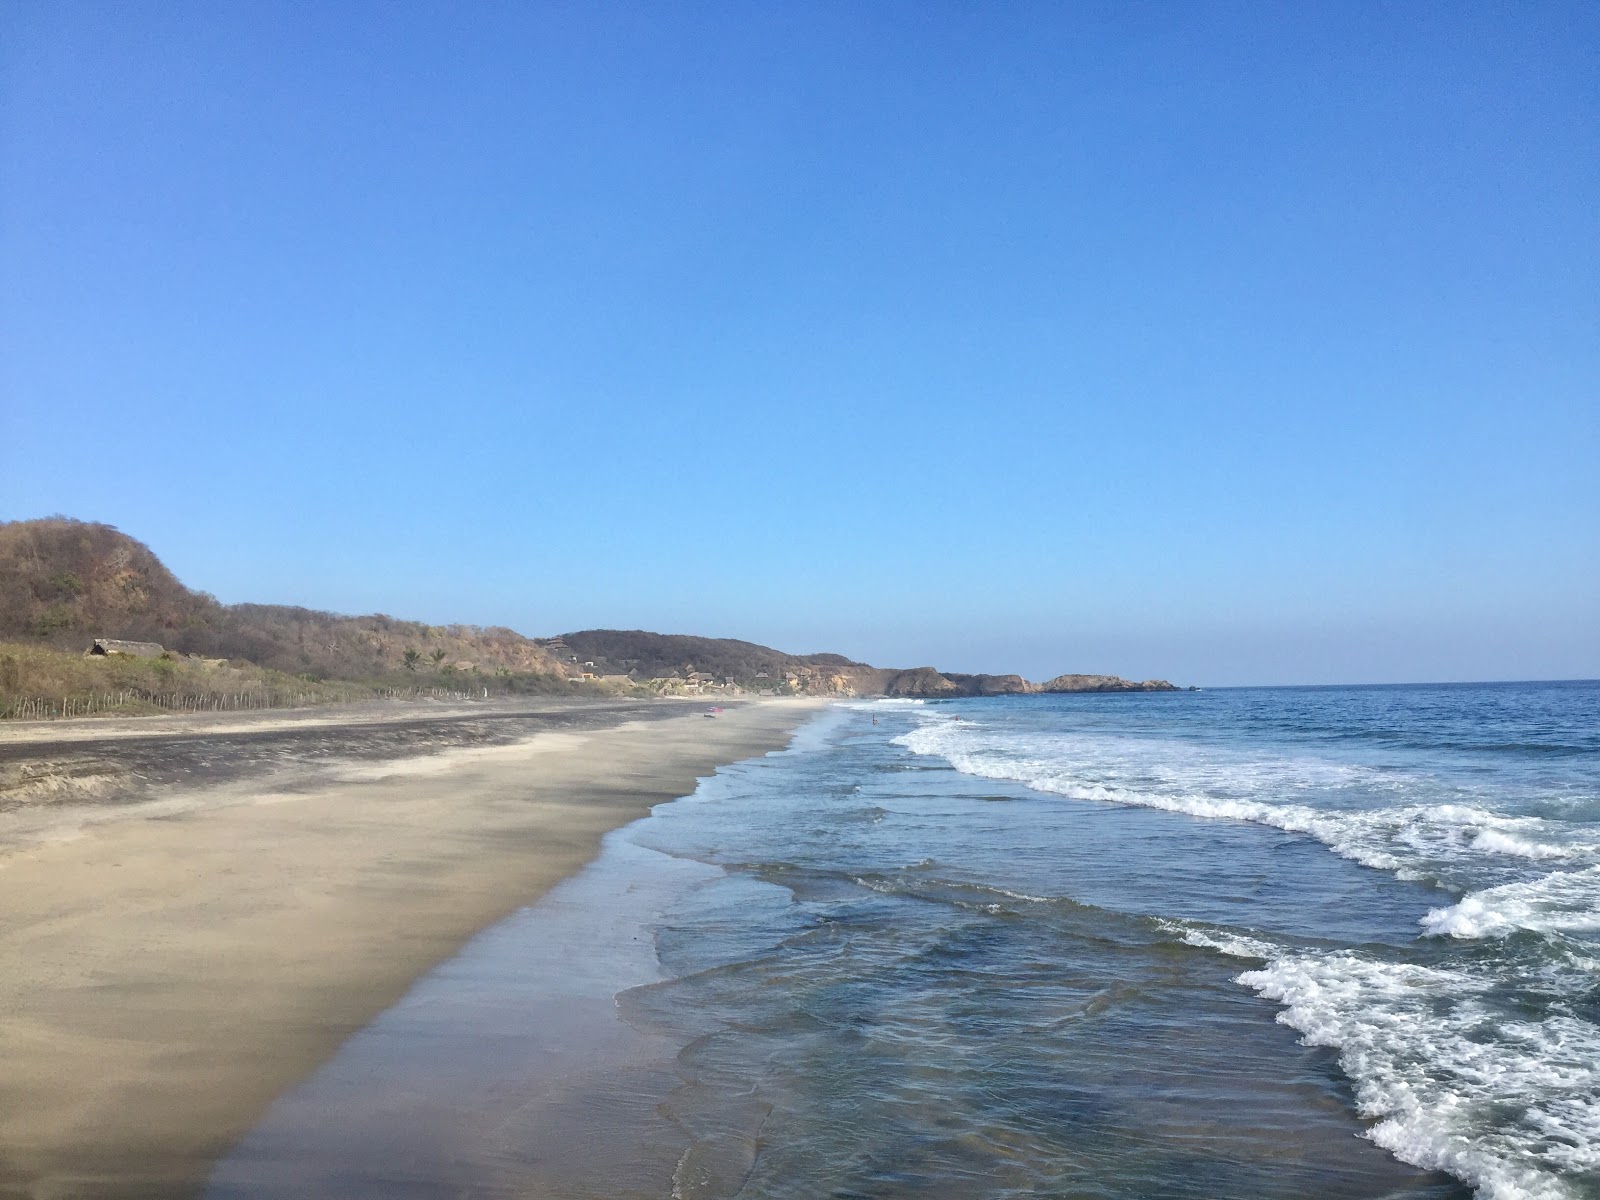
103 647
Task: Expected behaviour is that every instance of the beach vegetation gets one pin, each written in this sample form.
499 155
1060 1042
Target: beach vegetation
40 681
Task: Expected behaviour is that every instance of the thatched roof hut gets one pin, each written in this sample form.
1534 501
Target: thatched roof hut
103 646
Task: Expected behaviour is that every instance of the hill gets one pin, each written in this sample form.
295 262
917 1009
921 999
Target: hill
65 582
643 655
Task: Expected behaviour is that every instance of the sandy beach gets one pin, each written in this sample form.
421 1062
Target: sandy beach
198 912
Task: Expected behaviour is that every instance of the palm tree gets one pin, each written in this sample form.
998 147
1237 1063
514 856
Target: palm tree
411 659
438 659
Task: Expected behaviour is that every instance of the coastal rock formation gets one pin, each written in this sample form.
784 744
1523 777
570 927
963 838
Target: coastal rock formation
920 682
993 685
1104 683
928 683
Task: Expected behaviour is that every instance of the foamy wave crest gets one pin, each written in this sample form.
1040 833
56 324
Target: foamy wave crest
1235 945
1561 902
1495 841
1512 1108
1412 840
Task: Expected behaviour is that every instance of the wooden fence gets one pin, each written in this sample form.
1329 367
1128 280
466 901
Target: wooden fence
44 708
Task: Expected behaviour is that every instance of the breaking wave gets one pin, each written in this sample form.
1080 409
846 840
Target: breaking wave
1451 838
1510 1106
1561 902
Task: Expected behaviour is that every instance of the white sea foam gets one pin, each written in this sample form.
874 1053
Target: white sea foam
1561 902
816 734
1235 945
1495 841
1457 1068
1421 841
1511 1107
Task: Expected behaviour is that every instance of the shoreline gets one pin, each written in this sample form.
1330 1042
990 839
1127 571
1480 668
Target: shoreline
180 956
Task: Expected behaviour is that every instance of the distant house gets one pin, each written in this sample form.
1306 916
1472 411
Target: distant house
107 646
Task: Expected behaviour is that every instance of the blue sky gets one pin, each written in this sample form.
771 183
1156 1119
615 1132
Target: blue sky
1228 343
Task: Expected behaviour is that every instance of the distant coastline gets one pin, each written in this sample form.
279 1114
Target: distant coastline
93 623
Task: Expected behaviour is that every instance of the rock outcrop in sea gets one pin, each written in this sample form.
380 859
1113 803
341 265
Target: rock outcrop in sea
1103 683
929 683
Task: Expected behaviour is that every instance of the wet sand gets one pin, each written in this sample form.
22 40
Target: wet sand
195 913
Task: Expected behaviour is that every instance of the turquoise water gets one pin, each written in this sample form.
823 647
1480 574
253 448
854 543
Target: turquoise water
1272 943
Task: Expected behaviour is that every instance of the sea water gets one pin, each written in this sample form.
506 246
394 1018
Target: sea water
1340 942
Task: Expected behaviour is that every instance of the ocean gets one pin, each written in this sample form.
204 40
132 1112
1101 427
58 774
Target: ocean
1341 942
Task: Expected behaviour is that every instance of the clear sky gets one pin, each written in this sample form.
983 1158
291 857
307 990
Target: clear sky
1227 343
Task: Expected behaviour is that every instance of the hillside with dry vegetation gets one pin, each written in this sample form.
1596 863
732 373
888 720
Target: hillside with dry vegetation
642 655
65 583
635 653
37 681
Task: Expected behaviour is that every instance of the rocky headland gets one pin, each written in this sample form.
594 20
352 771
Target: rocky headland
927 682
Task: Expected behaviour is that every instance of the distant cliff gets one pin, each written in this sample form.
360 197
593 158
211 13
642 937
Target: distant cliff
928 682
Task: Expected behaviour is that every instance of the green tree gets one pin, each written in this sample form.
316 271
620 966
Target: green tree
65 584
54 618
437 658
411 658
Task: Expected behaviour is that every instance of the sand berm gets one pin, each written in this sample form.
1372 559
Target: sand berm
195 913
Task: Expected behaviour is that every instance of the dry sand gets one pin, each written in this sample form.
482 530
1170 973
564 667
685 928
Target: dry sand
174 955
